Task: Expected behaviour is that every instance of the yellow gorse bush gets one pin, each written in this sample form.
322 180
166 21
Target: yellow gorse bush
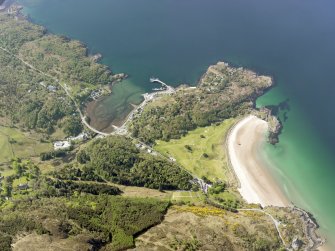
202 211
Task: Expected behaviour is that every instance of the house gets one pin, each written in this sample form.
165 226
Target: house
23 186
61 145
172 159
96 94
52 88
81 137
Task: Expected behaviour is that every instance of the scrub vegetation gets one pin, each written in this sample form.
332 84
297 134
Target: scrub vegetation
116 159
101 221
223 92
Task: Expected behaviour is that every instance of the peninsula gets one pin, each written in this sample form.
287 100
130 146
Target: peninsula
166 183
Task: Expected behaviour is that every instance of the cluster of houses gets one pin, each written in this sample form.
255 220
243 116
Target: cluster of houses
146 148
66 144
96 94
50 88
202 184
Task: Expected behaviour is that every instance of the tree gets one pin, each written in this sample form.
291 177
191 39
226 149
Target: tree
188 148
18 167
73 126
217 187
83 157
33 171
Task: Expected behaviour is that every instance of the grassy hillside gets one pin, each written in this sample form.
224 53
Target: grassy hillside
208 228
190 150
6 149
75 212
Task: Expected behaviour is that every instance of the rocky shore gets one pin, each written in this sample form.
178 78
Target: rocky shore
310 229
275 126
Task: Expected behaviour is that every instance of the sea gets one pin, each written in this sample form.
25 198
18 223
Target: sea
176 40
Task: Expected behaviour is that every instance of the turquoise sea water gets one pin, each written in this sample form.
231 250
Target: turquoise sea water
294 41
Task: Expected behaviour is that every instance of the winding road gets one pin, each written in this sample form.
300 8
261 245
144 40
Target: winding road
63 86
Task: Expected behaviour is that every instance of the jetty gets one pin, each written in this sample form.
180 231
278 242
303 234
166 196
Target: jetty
169 89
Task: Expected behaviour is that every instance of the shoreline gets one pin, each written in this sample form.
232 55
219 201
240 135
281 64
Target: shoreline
247 189
256 185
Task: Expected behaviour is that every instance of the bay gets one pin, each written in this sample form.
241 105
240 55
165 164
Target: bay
176 40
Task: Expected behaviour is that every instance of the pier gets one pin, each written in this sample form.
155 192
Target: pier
169 89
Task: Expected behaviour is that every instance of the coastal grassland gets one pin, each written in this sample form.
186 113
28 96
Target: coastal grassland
15 143
201 151
188 197
143 192
6 152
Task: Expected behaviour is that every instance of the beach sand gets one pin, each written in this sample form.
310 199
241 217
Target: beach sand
256 183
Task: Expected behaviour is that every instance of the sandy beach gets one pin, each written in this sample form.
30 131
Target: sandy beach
256 183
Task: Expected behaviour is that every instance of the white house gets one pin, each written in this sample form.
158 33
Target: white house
62 145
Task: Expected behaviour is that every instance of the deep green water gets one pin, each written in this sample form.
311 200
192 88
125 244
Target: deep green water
176 40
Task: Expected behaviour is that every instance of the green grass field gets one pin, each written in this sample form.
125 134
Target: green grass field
207 140
14 143
6 152
188 197
22 180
